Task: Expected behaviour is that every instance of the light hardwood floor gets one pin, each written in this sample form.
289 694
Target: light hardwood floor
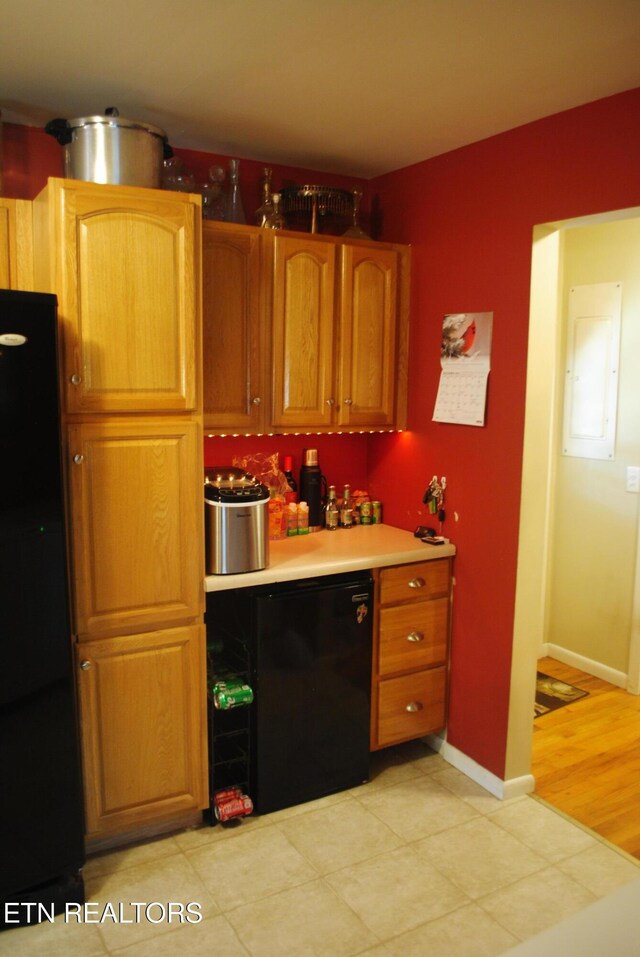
586 757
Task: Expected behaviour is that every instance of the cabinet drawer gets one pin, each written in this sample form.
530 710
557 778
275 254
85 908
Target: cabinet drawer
413 636
411 706
416 581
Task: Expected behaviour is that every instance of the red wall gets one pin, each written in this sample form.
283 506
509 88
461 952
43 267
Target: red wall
342 458
469 216
30 156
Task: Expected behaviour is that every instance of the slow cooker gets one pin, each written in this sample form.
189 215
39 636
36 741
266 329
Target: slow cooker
236 521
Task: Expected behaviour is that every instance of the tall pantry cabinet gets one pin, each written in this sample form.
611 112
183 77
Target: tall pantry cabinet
16 262
125 265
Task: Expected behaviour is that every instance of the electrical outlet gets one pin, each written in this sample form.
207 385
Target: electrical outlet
633 478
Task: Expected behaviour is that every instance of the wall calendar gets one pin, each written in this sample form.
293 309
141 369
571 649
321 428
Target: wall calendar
465 357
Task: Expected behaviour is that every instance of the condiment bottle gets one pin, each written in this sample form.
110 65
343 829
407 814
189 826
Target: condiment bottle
331 511
346 508
292 495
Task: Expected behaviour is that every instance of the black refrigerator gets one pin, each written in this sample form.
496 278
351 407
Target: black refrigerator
312 678
41 814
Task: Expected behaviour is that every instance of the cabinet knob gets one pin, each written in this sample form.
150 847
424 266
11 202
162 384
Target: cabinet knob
85 665
415 636
348 401
78 459
257 400
417 583
76 379
331 401
414 706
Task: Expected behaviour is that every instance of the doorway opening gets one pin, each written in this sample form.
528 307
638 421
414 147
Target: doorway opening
537 589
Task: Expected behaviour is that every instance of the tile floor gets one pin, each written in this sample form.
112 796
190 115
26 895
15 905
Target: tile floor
418 861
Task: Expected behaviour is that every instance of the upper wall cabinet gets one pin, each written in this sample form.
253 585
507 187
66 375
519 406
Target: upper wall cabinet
368 329
303 331
234 336
123 263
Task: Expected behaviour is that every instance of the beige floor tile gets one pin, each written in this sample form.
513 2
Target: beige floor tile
109 861
59 939
329 800
536 902
480 857
306 921
467 790
467 932
253 866
423 758
538 826
168 880
601 869
417 808
338 836
387 767
206 834
210 938
381 950
396 892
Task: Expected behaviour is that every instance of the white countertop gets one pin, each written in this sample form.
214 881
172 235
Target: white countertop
331 553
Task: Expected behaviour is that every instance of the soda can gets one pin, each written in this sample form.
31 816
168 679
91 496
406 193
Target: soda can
231 695
366 513
376 513
225 794
233 807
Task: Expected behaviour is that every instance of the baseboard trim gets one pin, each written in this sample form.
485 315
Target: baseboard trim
504 790
591 667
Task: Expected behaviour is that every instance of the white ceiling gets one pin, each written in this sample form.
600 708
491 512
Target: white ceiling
359 87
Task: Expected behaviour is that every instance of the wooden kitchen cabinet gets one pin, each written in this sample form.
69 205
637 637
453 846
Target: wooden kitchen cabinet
329 319
16 244
411 650
235 354
125 265
366 394
142 728
304 333
136 535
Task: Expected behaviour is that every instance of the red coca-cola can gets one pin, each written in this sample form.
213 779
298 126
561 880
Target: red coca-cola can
226 793
233 807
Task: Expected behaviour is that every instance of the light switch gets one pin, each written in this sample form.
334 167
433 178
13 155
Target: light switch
633 478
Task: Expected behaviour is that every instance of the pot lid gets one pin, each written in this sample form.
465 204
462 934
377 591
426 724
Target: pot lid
112 117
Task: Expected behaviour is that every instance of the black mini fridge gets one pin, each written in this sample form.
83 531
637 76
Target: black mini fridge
41 816
312 679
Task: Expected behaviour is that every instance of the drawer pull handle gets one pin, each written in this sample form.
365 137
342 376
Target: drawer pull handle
415 636
414 706
417 583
